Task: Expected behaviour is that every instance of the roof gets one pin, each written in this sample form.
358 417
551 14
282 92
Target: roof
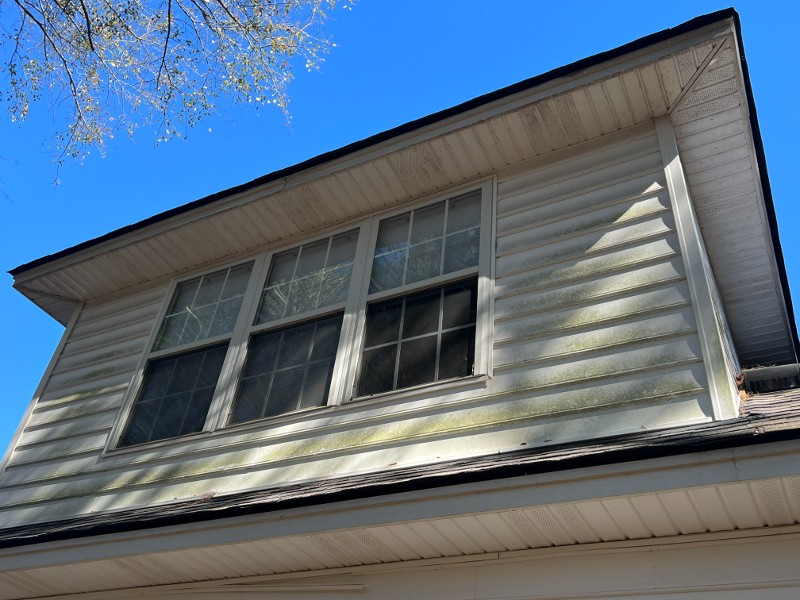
408 162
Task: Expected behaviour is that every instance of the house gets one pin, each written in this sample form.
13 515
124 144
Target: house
497 352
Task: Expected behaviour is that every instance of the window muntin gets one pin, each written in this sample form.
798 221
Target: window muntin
204 307
322 282
420 338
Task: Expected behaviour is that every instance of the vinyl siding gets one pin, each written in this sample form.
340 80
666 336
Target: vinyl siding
594 334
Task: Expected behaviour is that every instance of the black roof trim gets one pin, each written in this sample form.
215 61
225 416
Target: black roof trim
411 126
779 421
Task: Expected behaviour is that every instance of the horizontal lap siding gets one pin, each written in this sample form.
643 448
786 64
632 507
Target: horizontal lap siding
591 298
69 426
594 334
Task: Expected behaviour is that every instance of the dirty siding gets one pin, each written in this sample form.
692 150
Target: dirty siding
594 334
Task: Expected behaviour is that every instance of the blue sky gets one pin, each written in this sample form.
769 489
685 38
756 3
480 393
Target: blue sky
394 62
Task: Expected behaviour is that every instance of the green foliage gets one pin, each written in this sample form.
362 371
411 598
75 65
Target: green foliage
117 65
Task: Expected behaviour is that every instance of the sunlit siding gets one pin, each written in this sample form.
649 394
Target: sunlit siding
592 307
593 334
70 423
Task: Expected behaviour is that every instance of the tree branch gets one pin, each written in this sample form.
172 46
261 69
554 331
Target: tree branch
88 26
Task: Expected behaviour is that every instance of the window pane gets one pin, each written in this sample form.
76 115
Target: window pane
224 317
460 305
310 277
175 396
422 313
335 285
295 345
197 312
387 271
287 369
197 324
464 213
141 425
304 294
326 339
283 265
377 371
312 258
262 354
343 249
424 261
285 392
237 281
251 399
383 322
273 303
417 362
318 381
461 250
428 223
170 417
184 296
393 234
171 331
458 353
197 410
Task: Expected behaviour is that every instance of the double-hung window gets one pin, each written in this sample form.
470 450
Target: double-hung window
427 333
395 302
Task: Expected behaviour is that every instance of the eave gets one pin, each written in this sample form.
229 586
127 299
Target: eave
512 128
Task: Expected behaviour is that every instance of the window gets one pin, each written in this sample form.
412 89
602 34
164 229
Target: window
429 335
289 368
395 303
177 390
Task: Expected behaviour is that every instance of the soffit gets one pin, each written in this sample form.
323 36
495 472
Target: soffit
566 112
693 495
715 140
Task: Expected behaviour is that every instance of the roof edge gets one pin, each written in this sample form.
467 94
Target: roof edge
409 127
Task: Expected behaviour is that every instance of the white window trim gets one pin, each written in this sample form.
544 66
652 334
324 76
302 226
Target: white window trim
349 350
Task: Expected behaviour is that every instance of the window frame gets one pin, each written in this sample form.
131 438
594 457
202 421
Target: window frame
484 273
349 353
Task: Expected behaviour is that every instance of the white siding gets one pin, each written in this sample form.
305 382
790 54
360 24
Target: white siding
591 295
71 421
594 334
